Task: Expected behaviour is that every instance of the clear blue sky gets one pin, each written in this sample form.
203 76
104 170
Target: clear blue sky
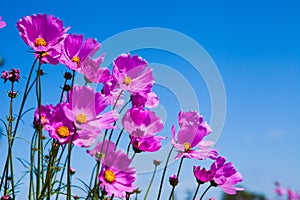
255 45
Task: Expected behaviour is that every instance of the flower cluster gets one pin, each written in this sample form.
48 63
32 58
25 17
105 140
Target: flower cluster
87 118
281 192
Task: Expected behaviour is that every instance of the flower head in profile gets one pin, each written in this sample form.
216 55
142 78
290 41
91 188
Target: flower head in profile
116 176
278 189
202 175
141 123
46 112
225 176
131 74
142 100
146 144
12 75
2 23
43 33
292 195
85 109
190 143
75 50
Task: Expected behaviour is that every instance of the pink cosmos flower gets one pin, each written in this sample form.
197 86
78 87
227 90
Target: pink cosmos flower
12 75
292 195
116 176
225 176
101 149
91 71
142 100
202 175
84 109
193 129
141 123
112 92
59 127
2 23
278 189
147 144
46 112
131 74
75 50
44 35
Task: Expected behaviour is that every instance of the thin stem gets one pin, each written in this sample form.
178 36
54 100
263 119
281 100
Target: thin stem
62 92
151 181
133 156
32 148
196 192
68 172
205 192
39 129
178 172
26 91
119 137
164 173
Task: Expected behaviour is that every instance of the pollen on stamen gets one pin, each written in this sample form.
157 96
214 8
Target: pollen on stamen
187 146
127 80
63 131
40 42
76 59
81 118
109 176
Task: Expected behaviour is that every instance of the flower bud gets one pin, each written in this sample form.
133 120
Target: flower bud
68 76
173 180
156 162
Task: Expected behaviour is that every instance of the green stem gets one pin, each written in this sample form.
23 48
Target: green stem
119 137
26 91
32 153
39 129
151 181
69 194
205 192
178 172
164 173
196 192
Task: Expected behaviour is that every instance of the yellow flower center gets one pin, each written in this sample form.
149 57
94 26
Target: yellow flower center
76 59
63 131
40 42
187 146
127 80
81 118
45 53
109 176
43 119
138 144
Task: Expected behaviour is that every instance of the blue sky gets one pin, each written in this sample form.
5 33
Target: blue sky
255 45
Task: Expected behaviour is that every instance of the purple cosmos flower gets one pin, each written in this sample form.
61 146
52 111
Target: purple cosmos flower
142 100
225 176
46 112
193 129
84 109
75 50
60 127
12 75
107 147
116 176
112 92
147 144
141 123
131 74
202 175
2 23
44 35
